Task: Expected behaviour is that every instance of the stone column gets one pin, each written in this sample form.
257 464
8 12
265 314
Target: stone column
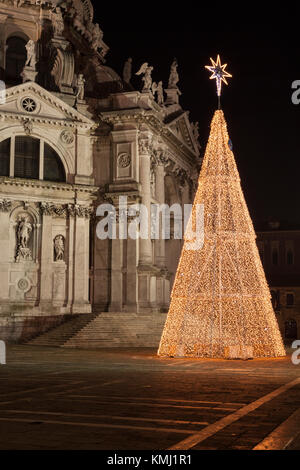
3 46
146 270
160 253
163 283
46 259
5 208
132 278
71 244
116 302
81 264
145 257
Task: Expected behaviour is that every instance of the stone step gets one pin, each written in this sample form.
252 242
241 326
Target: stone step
105 330
120 330
59 335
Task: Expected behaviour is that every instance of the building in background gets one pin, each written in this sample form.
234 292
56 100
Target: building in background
279 247
74 134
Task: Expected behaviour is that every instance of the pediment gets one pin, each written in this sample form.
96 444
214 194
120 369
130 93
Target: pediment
182 129
46 107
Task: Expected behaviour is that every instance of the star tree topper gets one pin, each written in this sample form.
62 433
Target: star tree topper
218 73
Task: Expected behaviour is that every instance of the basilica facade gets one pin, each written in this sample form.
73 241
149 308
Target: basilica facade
75 135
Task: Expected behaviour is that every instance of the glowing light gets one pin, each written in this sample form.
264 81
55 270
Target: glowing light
225 310
218 73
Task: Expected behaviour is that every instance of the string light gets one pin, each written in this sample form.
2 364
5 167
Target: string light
228 305
218 73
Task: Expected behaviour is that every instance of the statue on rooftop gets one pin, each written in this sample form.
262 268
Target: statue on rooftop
31 54
80 85
158 88
146 70
174 77
127 70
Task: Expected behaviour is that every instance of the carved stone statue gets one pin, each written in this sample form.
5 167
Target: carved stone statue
127 70
23 232
97 36
158 88
59 248
146 70
174 77
173 91
80 85
31 54
58 22
29 72
195 129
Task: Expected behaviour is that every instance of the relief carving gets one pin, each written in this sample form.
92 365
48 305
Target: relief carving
5 205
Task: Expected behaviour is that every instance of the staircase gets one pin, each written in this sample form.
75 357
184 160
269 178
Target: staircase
57 336
120 330
105 330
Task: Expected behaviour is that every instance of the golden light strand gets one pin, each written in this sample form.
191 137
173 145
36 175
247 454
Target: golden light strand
220 299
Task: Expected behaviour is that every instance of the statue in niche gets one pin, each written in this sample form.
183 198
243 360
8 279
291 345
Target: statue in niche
174 77
80 85
24 231
31 54
127 70
59 248
146 70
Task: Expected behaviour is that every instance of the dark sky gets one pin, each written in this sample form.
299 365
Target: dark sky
263 55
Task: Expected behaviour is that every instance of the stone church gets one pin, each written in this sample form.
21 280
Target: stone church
73 135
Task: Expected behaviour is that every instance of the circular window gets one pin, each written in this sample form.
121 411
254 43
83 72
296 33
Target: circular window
29 105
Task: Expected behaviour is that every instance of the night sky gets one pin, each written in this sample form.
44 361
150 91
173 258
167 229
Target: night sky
263 55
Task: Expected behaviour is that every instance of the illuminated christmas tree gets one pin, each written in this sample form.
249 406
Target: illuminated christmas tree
221 304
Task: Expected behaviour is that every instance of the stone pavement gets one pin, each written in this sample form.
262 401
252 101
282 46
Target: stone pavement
53 398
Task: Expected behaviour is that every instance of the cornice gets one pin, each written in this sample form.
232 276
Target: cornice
21 117
156 124
75 116
28 183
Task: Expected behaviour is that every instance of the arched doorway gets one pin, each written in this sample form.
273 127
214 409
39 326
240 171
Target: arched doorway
16 56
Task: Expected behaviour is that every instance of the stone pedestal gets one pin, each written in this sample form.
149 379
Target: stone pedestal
172 96
147 289
29 74
82 107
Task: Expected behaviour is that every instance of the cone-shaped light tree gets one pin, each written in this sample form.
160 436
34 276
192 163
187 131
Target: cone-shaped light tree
221 304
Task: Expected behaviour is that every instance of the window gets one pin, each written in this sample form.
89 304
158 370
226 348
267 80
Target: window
275 299
27 157
289 300
275 257
53 167
290 257
32 159
4 157
16 56
291 329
